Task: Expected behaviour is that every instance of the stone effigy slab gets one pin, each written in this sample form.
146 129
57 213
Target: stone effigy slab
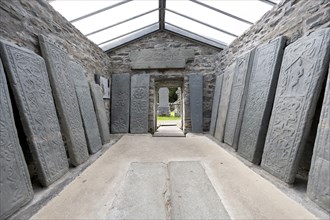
192 193
16 189
29 82
120 103
260 97
161 58
318 187
139 103
215 104
196 102
224 102
61 81
303 70
101 116
86 107
238 98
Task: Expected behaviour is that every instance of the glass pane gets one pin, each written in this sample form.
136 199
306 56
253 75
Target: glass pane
125 28
115 15
71 9
197 28
251 10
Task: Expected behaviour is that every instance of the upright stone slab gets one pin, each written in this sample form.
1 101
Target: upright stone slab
260 97
139 103
120 103
196 102
16 189
224 101
215 105
61 81
163 108
101 116
238 98
318 187
30 85
303 70
86 106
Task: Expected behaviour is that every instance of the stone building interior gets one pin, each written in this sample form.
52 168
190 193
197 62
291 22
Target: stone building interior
164 109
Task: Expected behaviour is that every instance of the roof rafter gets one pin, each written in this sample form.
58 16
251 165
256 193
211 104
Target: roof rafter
162 7
268 2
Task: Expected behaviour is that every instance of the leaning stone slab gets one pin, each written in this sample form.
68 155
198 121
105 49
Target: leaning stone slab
16 189
120 103
215 105
86 107
318 187
29 82
101 116
260 97
303 70
65 99
238 98
192 194
224 102
139 103
161 58
196 102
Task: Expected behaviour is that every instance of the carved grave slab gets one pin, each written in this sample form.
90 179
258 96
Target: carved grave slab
260 98
139 103
238 98
29 82
86 107
120 103
61 81
16 189
196 102
318 188
224 101
215 104
303 70
161 58
101 116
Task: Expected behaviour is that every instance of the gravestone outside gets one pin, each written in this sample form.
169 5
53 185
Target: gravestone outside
260 98
66 102
101 115
318 188
163 108
224 102
238 98
215 104
29 82
303 70
139 103
16 189
120 103
86 107
196 102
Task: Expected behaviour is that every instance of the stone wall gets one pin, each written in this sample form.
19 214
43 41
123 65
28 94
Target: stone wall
203 63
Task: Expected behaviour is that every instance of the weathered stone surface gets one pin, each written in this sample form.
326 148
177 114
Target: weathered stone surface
16 189
65 99
160 58
86 107
100 112
303 70
260 97
196 102
238 98
139 103
192 194
215 105
224 102
318 188
120 103
30 85
163 108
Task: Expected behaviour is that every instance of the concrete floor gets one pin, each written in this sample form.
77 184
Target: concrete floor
244 193
169 131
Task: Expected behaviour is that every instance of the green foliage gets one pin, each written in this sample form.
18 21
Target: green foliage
172 94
